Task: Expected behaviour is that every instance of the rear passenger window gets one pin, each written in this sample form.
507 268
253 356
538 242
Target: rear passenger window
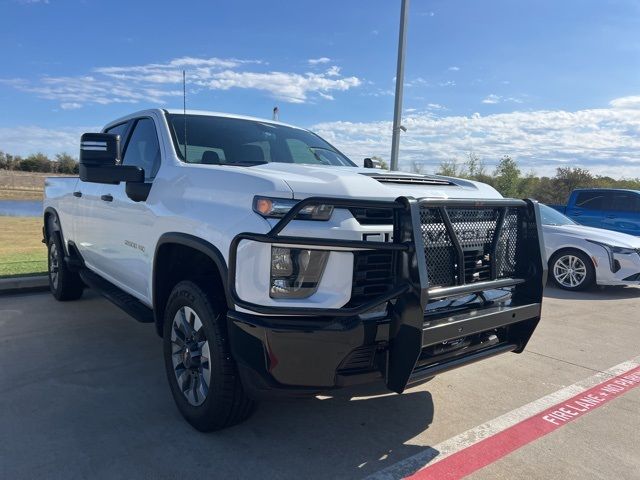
590 200
143 149
626 202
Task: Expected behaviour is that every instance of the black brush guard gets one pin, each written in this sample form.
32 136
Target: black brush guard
415 284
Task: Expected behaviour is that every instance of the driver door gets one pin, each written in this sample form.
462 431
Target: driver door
126 239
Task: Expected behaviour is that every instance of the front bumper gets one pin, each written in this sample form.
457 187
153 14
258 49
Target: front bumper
621 269
406 335
299 357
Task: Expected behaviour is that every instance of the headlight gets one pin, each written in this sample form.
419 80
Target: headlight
614 264
296 272
622 250
614 249
278 208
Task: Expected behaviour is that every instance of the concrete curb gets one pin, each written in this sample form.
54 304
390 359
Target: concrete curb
23 284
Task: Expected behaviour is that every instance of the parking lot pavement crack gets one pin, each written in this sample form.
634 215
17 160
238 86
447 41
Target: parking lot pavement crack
595 370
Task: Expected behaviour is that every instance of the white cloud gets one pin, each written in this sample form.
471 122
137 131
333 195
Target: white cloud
290 87
334 71
415 82
448 83
604 140
70 106
31 2
24 140
317 61
491 99
626 102
435 106
454 69
156 82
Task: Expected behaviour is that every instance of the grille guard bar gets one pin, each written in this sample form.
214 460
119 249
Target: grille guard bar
410 266
411 290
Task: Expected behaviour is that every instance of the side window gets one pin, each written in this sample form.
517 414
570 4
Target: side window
608 200
590 200
120 129
626 202
143 149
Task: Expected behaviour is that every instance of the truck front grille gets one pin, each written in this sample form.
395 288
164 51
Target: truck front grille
485 254
372 275
373 216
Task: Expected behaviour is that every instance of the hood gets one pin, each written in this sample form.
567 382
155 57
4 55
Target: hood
601 235
352 182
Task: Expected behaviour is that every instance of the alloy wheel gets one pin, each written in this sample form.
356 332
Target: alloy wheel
190 355
570 271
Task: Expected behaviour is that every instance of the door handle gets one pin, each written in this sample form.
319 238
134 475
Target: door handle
575 214
612 216
106 198
77 194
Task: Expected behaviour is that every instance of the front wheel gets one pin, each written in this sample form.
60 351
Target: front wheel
572 270
202 374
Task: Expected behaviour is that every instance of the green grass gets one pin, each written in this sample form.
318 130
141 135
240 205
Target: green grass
21 249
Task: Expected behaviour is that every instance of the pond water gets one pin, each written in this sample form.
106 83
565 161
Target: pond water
21 208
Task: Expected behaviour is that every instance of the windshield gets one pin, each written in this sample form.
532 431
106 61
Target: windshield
233 141
553 217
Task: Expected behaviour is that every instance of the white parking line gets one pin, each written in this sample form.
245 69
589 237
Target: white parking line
433 455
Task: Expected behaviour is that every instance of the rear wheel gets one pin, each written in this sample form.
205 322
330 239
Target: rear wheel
572 270
202 374
63 283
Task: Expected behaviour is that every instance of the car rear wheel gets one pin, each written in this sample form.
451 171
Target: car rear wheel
202 375
63 283
572 270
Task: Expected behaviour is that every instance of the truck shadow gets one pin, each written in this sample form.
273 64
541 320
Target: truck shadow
89 397
343 437
596 293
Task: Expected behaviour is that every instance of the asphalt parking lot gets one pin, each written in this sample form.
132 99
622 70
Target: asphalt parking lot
83 394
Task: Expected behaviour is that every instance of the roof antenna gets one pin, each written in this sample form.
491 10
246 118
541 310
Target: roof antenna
276 113
184 112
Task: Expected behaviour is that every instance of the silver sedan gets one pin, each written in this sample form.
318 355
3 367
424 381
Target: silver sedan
580 257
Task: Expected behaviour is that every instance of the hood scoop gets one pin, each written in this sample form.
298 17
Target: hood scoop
408 179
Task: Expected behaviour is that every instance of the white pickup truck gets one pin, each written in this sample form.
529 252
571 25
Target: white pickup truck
271 264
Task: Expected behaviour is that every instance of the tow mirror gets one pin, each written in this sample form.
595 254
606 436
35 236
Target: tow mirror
100 160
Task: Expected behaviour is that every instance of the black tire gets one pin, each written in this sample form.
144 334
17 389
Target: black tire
587 278
64 284
225 402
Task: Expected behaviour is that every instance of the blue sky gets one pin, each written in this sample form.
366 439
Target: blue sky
552 83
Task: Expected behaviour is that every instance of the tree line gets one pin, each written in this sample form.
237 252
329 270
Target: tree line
39 162
509 180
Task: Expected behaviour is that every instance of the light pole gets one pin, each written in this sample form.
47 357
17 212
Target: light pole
397 112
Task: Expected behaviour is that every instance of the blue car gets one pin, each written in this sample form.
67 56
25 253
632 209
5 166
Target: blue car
612 209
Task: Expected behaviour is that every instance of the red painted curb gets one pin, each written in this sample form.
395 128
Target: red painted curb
487 451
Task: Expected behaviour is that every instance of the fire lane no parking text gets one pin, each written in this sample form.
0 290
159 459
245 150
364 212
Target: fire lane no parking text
485 444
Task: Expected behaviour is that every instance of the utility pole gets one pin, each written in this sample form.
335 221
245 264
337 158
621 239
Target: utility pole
397 112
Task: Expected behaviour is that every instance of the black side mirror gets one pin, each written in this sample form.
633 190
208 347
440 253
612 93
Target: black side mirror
100 160
368 163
